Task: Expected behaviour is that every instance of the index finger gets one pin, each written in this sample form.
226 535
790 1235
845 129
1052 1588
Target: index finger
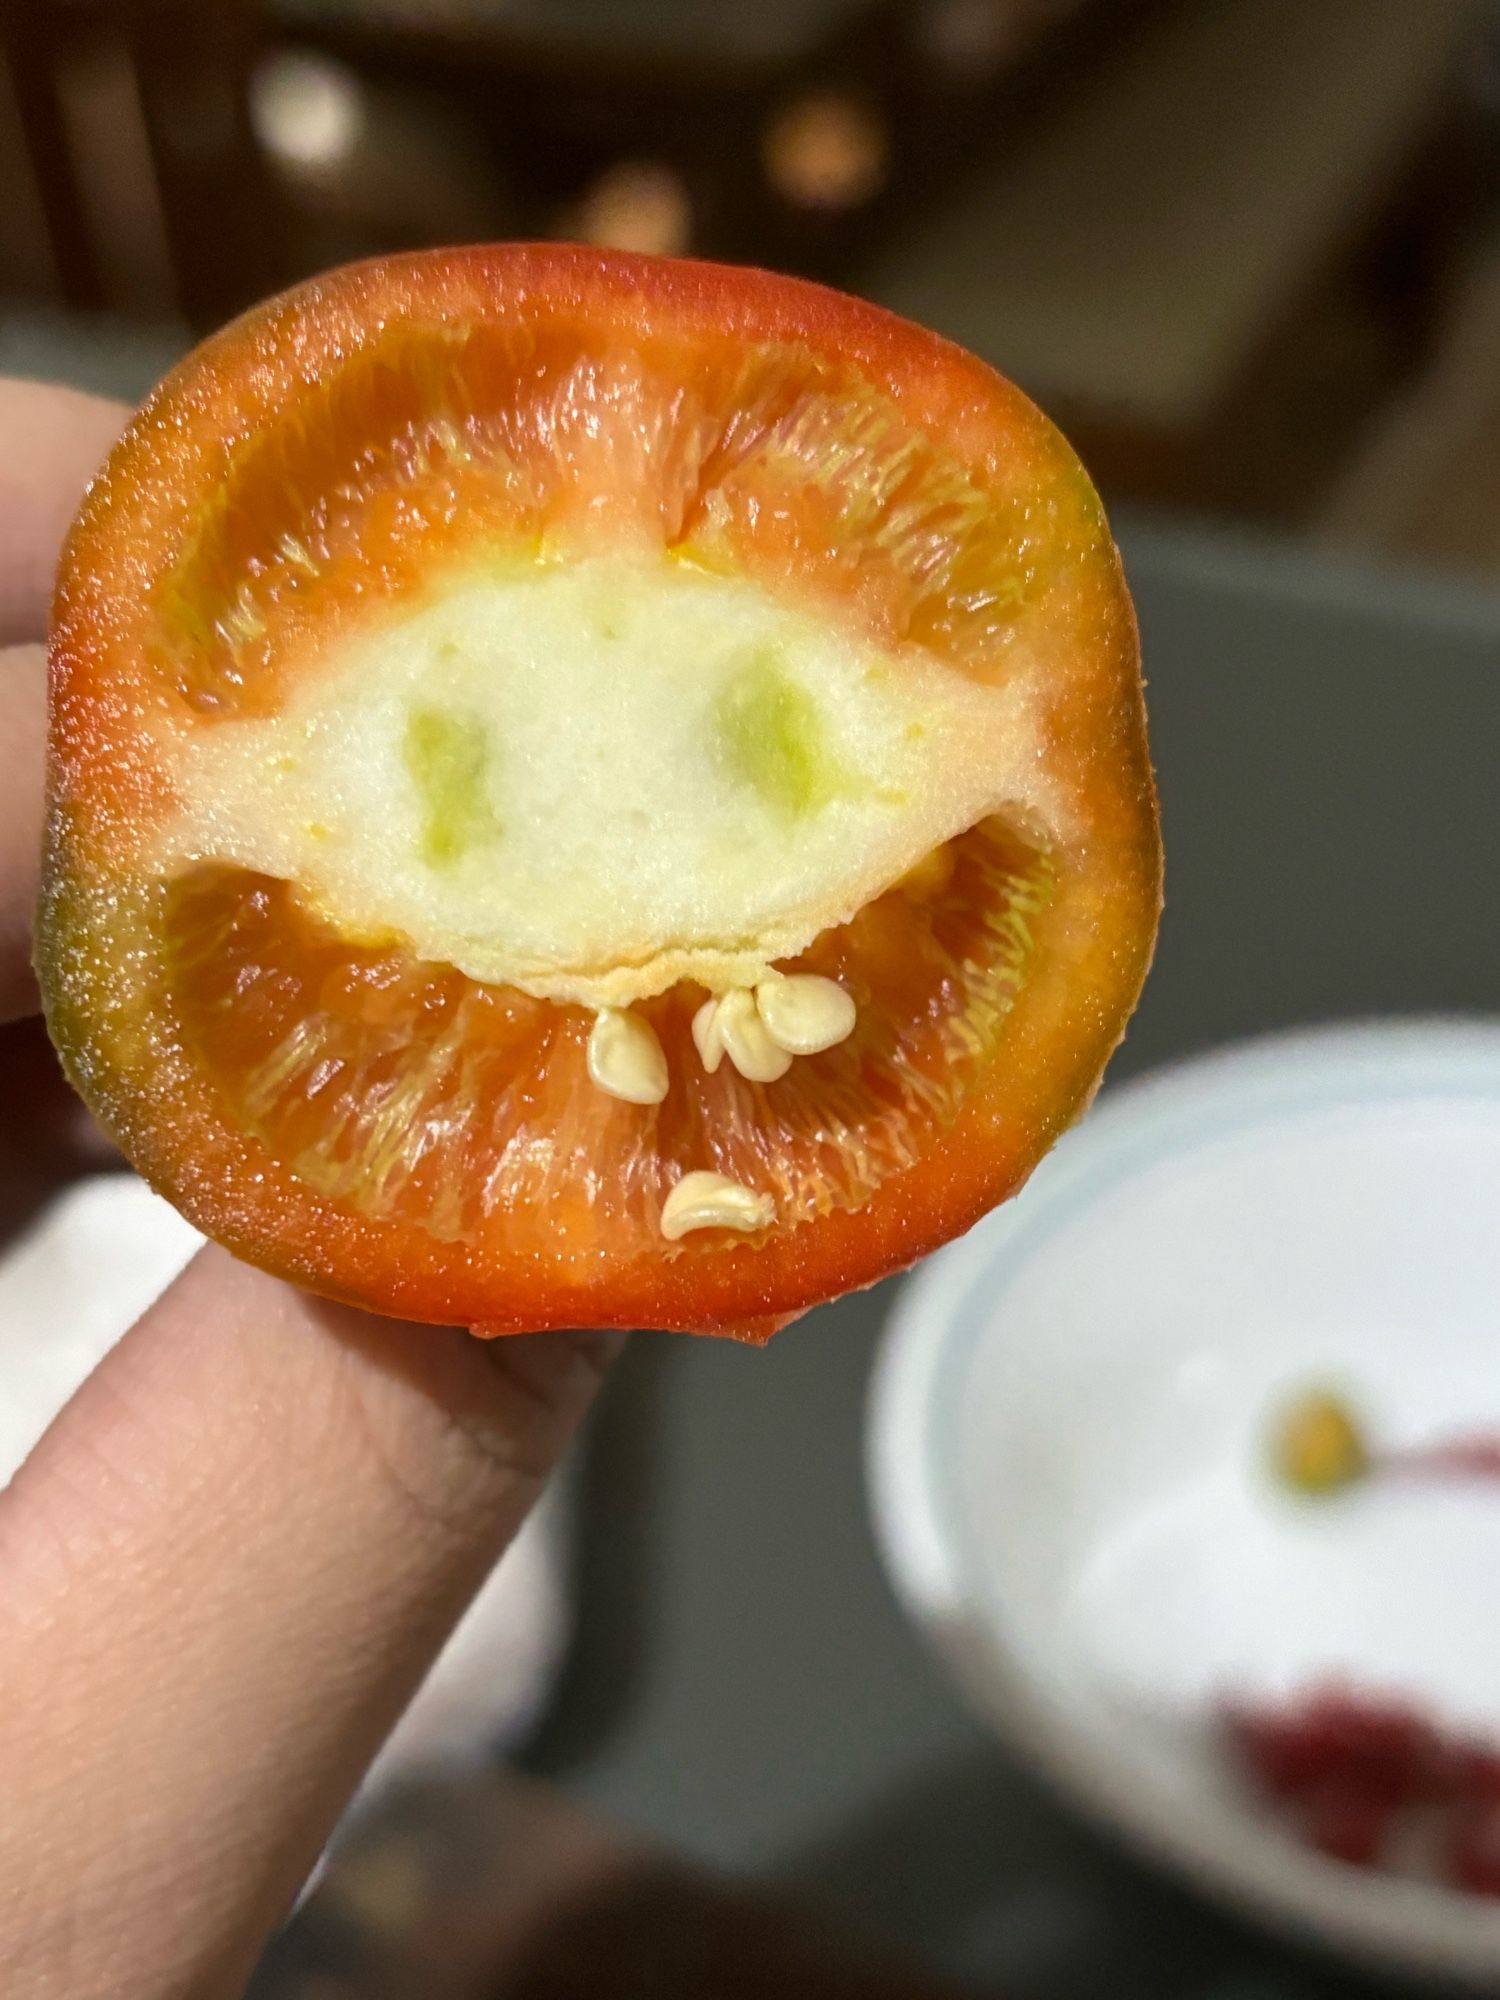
52 442
227 1566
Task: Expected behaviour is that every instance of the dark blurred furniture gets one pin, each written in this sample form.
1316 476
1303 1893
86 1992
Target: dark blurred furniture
1222 255
1214 238
798 132
884 105
1425 487
135 128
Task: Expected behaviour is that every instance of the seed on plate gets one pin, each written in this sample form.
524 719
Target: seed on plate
625 1058
804 1013
1318 1446
713 1201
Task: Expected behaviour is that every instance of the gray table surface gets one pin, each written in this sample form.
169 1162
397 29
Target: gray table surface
744 1687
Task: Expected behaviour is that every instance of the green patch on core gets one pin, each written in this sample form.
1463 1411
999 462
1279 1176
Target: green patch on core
447 757
773 739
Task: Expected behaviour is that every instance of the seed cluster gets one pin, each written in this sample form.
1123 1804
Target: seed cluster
761 1029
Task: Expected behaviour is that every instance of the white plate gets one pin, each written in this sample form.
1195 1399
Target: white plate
1067 1445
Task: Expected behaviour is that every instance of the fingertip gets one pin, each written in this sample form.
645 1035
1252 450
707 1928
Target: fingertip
23 746
55 441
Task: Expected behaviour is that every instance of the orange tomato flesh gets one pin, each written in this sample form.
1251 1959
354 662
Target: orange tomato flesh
295 840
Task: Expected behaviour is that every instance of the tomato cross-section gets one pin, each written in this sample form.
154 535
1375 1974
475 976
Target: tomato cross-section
590 790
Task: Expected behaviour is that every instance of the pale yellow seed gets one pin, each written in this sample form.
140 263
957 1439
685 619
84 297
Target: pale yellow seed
625 1058
746 1039
706 1037
713 1201
804 1013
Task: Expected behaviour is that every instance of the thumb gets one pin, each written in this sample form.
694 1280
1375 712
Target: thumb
227 1566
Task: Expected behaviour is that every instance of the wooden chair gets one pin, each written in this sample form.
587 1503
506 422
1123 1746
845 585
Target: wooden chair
133 120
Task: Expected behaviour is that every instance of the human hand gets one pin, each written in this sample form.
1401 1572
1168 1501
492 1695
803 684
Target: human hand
226 1567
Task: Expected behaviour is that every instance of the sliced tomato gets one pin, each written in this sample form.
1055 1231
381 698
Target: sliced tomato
480 680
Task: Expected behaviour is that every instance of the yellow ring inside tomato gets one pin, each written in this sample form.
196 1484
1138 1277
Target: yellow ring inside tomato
471 649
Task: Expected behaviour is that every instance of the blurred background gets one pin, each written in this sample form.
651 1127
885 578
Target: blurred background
1244 250
1247 253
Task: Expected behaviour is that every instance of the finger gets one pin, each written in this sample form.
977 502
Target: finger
52 442
226 1568
23 742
